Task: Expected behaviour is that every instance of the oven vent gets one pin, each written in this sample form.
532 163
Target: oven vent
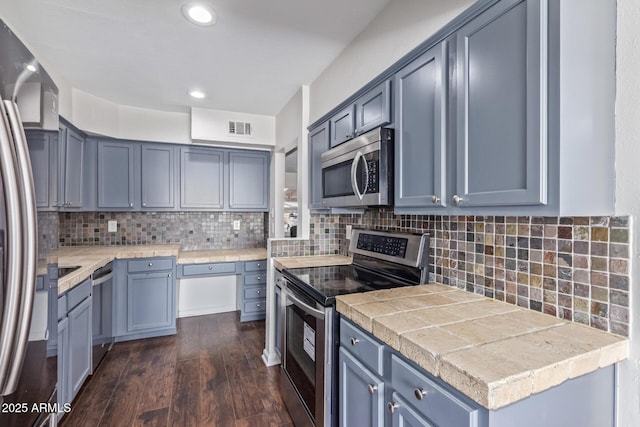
240 128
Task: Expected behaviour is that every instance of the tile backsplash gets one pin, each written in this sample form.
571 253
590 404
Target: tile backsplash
192 230
326 235
576 268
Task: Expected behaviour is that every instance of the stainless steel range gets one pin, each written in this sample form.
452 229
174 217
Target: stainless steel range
381 260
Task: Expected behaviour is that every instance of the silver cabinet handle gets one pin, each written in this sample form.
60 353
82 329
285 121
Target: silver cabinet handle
354 341
457 199
169 275
69 203
420 393
372 388
131 205
258 305
144 204
258 278
150 264
258 265
210 267
435 199
258 292
392 406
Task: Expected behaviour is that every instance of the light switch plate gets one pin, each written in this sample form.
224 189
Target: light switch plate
236 225
112 226
349 229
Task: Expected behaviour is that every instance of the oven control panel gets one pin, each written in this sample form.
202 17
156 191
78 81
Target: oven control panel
385 245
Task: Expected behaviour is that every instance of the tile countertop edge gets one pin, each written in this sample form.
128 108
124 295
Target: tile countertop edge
281 263
490 389
77 255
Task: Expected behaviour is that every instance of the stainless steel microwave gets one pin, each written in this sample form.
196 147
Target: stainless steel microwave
359 172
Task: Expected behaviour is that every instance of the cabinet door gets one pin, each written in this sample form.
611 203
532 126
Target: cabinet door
361 394
501 126
197 167
404 416
40 154
116 175
64 395
318 144
150 301
420 136
73 167
373 109
158 176
278 317
80 331
342 126
249 180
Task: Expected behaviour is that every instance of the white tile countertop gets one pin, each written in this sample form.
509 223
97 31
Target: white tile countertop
495 353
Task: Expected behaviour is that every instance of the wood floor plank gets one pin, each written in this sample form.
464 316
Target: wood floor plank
154 418
160 356
216 404
186 394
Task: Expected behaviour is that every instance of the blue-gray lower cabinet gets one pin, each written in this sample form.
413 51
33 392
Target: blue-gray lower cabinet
64 395
413 397
252 294
74 345
278 312
361 393
145 295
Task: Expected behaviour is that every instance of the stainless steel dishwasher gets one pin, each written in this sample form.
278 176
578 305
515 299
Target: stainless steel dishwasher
102 313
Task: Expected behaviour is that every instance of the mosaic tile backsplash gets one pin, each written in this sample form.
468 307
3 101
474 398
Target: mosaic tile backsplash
576 268
192 230
326 235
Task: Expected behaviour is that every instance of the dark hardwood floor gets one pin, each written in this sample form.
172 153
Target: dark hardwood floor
209 374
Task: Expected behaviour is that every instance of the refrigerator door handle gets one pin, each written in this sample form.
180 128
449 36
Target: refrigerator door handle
13 274
29 249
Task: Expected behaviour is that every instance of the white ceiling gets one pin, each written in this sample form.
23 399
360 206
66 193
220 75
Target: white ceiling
144 53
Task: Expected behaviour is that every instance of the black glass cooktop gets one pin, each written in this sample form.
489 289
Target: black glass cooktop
323 284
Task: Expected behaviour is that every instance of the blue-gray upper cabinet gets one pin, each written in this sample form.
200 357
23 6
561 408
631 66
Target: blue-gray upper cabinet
342 126
318 144
71 156
116 175
501 108
421 130
371 110
158 176
199 166
249 180
43 151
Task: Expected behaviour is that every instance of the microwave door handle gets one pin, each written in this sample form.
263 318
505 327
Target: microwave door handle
354 178
366 174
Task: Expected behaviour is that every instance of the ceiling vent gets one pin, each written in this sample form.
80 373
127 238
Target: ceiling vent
240 128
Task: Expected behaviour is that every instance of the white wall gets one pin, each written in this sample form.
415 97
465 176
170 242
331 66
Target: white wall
399 28
291 129
628 190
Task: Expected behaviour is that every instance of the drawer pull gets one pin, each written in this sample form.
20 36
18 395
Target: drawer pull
391 406
258 265
420 393
210 267
258 277
372 388
258 292
150 264
258 305
354 341
169 275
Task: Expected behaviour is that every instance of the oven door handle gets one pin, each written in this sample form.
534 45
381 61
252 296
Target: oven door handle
319 314
354 171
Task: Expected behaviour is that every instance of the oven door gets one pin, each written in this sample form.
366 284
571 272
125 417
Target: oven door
306 388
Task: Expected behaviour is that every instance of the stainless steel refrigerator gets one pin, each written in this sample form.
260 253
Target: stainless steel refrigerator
28 242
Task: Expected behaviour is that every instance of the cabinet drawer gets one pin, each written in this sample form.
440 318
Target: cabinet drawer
255 279
258 292
431 399
62 307
255 265
150 265
206 269
363 346
255 306
76 295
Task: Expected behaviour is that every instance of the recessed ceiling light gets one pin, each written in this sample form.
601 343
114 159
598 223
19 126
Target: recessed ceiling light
197 93
199 13
31 68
